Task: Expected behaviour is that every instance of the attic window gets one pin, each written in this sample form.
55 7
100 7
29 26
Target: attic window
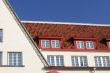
85 44
49 43
46 43
55 43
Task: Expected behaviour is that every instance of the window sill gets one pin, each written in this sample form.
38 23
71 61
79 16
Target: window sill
11 66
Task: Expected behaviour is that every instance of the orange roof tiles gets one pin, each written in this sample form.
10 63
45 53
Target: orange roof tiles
68 31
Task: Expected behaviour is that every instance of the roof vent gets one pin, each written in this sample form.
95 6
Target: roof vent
71 40
103 41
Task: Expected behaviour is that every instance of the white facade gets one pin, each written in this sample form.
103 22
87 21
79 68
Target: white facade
67 56
15 40
68 62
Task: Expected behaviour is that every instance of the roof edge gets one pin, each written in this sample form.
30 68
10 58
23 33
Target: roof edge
16 18
66 23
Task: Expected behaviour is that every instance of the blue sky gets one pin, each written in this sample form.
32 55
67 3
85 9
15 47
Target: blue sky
82 11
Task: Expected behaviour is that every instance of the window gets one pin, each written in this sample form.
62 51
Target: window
46 43
55 43
102 61
84 44
1 35
89 44
79 61
55 60
14 59
80 44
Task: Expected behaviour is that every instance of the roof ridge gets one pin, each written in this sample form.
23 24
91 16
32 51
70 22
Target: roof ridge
66 23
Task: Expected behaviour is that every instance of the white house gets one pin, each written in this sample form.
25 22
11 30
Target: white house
51 47
18 53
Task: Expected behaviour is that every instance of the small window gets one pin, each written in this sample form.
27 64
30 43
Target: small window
45 43
80 44
55 60
85 44
79 61
55 43
14 59
1 35
49 43
102 61
89 44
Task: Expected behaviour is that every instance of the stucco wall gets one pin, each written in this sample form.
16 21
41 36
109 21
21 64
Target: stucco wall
67 59
14 40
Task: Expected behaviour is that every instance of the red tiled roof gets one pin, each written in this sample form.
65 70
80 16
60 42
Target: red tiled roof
101 33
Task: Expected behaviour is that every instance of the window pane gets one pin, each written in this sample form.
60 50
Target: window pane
80 44
45 44
89 44
55 43
102 61
55 60
15 59
79 61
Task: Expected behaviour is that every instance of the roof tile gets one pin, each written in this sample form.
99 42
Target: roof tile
68 31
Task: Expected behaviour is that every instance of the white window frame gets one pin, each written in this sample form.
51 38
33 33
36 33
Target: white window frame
46 43
14 58
85 44
80 44
55 60
89 44
79 61
55 43
102 61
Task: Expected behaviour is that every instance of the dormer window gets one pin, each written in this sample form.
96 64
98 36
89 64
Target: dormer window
49 43
55 43
80 44
45 43
89 44
84 44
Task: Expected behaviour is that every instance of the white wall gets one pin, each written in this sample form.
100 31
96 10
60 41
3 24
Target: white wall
67 56
14 40
67 59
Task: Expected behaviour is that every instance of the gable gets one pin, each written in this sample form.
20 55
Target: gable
15 37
